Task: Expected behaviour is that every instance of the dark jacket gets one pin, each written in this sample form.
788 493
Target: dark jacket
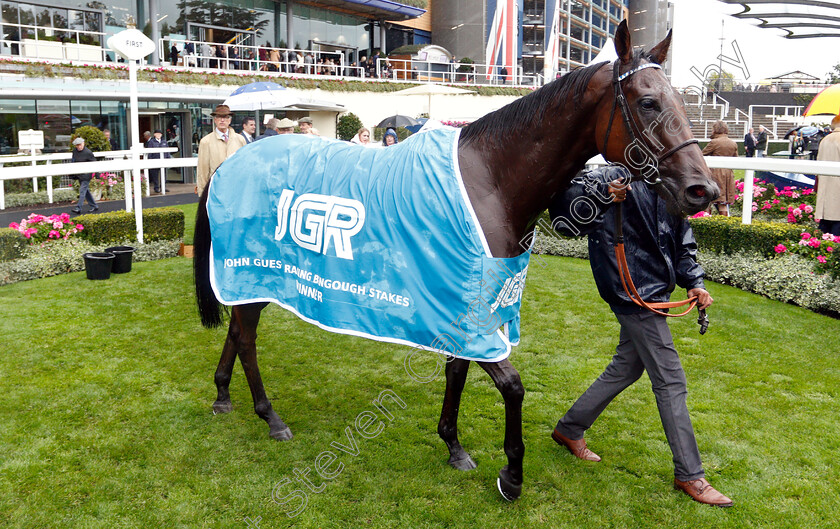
749 142
85 155
155 144
761 142
268 134
660 247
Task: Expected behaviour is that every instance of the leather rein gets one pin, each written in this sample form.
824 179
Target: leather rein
620 101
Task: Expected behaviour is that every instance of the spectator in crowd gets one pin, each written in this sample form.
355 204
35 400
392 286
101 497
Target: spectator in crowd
749 143
156 142
274 60
216 147
761 142
83 154
111 141
309 63
234 54
173 55
389 138
305 124
722 145
362 137
147 135
189 54
263 56
828 187
299 61
206 53
249 129
278 126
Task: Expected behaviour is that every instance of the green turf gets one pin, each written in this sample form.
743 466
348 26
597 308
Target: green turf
105 416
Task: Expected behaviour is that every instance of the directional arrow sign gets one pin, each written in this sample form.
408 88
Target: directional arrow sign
131 44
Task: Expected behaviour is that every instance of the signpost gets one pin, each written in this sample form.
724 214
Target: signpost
33 140
133 45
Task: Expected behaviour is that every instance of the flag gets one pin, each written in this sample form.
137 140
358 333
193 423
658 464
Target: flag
501 42
552 38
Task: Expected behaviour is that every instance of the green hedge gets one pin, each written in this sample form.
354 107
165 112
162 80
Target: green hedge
12 244
159 224
728 235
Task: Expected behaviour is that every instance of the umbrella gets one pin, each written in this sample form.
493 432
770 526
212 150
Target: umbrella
826 102
430 90
260 96
397 121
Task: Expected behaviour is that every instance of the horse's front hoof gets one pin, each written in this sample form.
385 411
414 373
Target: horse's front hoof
509 490
284 434
464 462
222 407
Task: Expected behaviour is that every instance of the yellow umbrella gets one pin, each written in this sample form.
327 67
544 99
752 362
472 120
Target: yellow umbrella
826 102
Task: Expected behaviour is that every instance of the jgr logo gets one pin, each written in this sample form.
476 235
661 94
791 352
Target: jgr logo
315 220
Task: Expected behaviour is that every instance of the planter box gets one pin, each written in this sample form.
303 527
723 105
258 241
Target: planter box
82 52
43 49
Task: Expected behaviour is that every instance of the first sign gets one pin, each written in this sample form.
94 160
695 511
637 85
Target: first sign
132 44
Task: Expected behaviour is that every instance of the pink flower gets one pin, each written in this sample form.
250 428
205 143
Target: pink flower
803 242
775 200
780 248
821 259
701 214
15 226
814 243
808 208
754 207
829 248
826 236
58 225
54 234
79 227
806 235
797 212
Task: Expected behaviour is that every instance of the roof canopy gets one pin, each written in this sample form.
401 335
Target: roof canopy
800 19
372 9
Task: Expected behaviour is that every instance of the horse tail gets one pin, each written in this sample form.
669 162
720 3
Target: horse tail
209 307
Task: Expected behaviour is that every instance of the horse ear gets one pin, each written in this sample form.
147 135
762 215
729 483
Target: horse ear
659 53
622 42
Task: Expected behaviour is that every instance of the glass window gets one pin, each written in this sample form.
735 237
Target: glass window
54 119
85 114
10 13
15 115
113 116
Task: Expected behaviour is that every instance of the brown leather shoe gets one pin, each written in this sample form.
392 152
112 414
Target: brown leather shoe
700 490
577 448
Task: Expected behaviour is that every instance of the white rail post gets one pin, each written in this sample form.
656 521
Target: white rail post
746 214
49 185
34 180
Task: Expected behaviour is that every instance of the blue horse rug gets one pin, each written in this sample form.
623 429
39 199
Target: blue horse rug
379 243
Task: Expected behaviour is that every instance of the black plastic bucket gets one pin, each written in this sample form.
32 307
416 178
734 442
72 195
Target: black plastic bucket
98 265
122 258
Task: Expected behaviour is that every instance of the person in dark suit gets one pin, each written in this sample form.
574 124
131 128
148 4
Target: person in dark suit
83 154
749 143
156 141
111 141
249 130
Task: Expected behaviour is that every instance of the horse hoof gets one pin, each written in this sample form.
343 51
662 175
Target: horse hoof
282 435
464 463
222 407
508 489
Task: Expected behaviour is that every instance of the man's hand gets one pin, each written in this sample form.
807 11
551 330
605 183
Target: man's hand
704 299
618 189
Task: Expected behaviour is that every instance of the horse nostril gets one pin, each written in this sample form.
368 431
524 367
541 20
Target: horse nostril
697 191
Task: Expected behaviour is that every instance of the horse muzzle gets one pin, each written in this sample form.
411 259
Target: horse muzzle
697 197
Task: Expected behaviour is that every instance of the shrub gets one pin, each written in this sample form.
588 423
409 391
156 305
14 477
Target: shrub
12 244
94 138
38 228
728 235
348 125
158 224
822 252
31 199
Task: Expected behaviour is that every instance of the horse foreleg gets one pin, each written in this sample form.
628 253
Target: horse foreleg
225 368
509 384
456 376
248 317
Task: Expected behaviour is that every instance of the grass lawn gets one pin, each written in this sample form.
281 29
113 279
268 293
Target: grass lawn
105 416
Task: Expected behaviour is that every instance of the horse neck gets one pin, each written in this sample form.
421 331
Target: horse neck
521 177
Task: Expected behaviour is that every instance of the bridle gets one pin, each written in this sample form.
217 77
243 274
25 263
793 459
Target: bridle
620 101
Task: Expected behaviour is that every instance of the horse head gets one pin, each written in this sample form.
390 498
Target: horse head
642 125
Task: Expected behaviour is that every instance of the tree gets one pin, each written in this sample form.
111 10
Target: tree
727 81
94 138
833 77
348 125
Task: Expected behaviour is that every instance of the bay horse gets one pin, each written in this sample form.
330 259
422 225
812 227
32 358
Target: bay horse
513 162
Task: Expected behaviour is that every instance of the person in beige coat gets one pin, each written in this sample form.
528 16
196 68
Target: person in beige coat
828 187
722 145
216 147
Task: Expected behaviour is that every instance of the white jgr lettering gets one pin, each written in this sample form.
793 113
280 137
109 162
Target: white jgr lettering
316 220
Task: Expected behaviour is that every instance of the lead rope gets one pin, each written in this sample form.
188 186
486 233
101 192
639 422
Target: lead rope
630 288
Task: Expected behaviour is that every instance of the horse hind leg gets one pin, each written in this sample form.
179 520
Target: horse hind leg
225 369
456 376
509 384
248 317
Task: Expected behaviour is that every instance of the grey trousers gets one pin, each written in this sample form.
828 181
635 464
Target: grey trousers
645 343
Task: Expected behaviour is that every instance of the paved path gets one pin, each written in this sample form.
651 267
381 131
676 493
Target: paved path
176 194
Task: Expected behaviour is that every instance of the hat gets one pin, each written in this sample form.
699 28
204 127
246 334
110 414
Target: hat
78 141
221 111
305 120
285 123
158 131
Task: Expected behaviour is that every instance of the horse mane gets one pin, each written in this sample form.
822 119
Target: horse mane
506 124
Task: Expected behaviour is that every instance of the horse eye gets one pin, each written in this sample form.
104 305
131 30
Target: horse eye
648 104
